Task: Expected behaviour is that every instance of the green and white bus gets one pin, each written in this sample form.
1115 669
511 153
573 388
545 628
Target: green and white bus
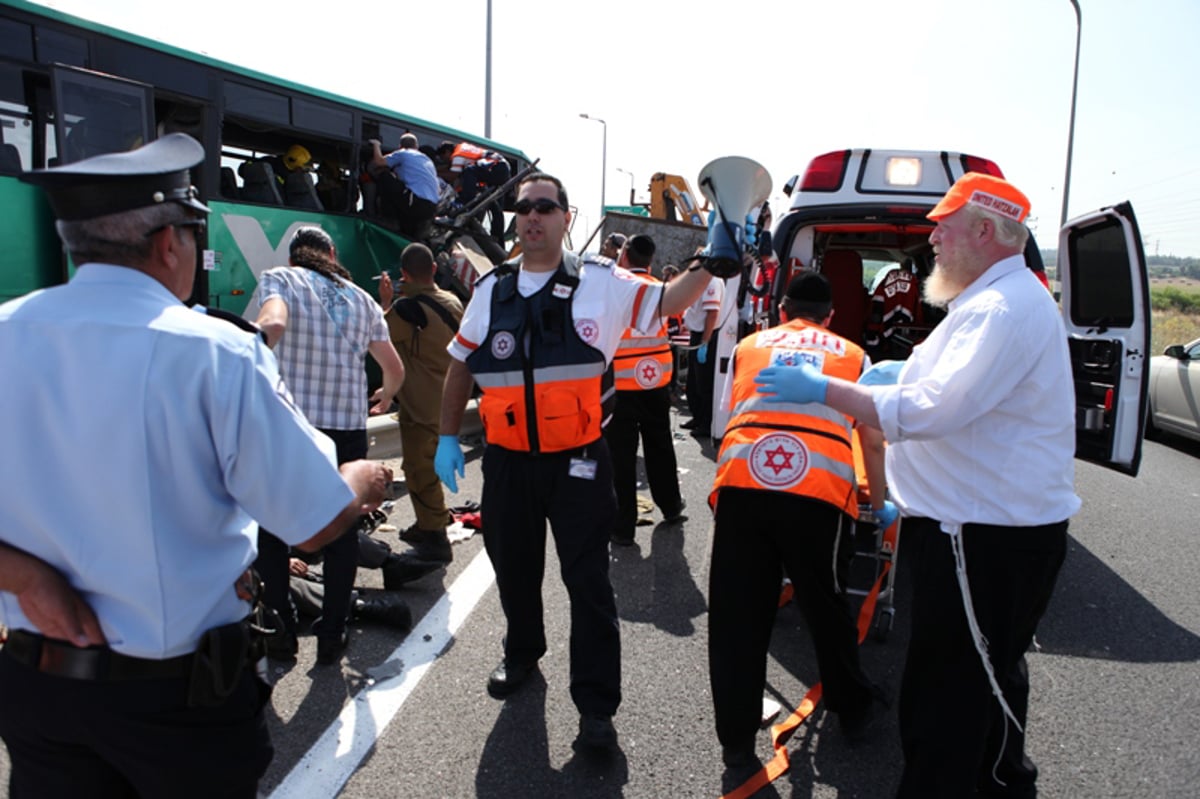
70 89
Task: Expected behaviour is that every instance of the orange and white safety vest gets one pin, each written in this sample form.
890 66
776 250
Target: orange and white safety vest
544 388
802 449
643 360
466 154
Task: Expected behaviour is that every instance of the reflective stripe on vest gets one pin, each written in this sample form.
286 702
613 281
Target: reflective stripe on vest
544 388
803 449
643 362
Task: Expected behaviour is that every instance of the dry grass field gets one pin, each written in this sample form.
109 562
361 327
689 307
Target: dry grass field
1173 327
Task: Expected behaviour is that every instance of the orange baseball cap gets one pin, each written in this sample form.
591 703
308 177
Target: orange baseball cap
987 191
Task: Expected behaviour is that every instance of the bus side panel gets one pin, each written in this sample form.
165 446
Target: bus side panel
34 258
245 240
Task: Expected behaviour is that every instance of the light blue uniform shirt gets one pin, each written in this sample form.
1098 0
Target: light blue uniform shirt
417 172
142 440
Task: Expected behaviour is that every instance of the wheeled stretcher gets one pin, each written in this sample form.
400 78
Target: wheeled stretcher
874 558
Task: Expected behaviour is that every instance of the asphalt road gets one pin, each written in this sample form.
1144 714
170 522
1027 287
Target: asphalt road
1115 708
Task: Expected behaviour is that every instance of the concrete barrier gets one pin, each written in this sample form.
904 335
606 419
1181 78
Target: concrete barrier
383 432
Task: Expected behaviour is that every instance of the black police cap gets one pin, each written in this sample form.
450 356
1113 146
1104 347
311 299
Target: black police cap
114 182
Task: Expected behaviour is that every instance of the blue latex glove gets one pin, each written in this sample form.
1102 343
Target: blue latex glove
887 514
884 373
447 460
797 384
702 353
751 230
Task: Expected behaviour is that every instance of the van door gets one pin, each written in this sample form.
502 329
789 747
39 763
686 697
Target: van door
1106 307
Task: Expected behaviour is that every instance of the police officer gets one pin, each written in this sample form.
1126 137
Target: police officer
150 437
643 372
538 336
786 497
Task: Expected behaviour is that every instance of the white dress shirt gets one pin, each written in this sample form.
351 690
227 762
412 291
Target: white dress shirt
981 424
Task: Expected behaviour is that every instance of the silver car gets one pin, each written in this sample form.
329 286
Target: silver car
1175 391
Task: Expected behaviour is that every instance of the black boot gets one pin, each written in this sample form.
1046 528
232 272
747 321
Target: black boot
431 545
385 607
401 569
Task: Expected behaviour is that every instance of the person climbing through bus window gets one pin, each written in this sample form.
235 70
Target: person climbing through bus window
408 186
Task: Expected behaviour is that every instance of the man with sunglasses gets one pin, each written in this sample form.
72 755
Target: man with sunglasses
150 438
539 336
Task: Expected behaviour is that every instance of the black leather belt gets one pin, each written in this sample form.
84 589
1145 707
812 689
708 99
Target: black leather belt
98 663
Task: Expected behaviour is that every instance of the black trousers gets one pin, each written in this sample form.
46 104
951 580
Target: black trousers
700 378
340 559
646 414
952 729
70 738
520 493
758 534
412 214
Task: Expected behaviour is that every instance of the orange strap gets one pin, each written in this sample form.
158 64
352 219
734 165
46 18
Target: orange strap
780 733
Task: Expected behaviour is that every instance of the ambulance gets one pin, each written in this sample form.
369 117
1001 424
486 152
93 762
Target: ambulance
860 213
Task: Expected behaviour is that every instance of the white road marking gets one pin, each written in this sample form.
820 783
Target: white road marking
335 756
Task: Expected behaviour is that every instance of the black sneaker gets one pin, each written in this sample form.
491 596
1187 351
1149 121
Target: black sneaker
282 645
384 607
329 650
433 545
740 757
596 733
860 729
508 677
677 515
400 570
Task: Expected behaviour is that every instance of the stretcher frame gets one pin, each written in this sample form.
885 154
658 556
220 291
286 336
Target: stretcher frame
882 554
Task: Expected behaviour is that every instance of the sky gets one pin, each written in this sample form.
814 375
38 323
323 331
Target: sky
779 81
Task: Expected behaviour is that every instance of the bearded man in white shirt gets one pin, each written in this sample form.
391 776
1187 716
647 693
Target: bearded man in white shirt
981 429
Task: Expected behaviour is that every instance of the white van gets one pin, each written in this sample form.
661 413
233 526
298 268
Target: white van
855 211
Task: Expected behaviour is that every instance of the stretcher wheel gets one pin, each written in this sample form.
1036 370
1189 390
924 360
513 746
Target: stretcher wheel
883 623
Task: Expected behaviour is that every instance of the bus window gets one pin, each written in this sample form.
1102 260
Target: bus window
98 114
16 137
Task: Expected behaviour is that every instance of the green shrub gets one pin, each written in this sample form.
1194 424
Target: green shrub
1171 298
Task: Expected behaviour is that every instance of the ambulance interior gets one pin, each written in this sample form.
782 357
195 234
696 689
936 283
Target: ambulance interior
876 272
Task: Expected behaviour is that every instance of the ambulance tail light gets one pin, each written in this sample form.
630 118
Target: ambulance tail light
825 172
973 163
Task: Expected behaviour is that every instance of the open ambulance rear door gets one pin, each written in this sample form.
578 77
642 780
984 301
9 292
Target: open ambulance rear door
1106 307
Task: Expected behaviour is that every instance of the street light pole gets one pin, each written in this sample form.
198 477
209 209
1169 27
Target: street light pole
604 158
1071 128
487 80
627 172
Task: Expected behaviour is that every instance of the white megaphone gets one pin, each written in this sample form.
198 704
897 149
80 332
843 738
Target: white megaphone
732 185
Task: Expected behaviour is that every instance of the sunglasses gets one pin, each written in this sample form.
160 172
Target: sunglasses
543 206
199 223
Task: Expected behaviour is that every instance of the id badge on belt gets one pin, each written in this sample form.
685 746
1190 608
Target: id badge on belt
583 468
